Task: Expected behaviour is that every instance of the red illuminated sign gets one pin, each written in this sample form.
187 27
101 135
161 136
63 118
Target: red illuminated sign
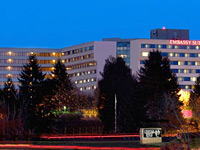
184 42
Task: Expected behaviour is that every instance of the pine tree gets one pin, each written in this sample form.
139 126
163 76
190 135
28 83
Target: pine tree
116 80
156 79
31 88
10 97
63 88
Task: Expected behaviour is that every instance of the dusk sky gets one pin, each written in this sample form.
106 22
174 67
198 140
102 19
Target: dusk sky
61 23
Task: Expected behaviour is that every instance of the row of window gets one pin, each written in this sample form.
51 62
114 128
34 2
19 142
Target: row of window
186 79
10 53
80 50
165 54
186 86
123 44
78 58
9 75
77 74
186 70
85 65
24 61
14 83
87 88
164 46
180 63
85 80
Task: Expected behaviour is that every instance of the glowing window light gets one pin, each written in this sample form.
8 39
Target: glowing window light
9 75
171 54
53 75
32 53
81 89
10 53
193 79
9 60
54 53
9 67
63 54
145 54
63 61
54 61
197 47
52 68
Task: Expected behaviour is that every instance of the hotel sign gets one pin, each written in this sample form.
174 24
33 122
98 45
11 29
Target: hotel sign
184 42
150 135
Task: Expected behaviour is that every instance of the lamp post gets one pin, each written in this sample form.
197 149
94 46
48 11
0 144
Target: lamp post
115 113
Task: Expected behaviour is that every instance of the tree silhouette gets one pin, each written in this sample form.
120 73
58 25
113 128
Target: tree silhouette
31 89
116 80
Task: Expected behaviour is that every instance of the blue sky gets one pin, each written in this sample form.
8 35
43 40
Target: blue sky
60 23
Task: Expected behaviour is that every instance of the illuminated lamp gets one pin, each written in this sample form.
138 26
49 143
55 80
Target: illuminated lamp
52 68
9 67
163 28
9 75
53 75
63 61
63 53
53 61
32 53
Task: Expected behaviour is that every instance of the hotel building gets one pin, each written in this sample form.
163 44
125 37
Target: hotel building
84 62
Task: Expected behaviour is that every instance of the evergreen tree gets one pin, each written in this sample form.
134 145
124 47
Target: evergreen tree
31 88
63 88
10 96
156 79
116 80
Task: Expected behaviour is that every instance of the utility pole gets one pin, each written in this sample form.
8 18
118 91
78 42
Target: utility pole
115 113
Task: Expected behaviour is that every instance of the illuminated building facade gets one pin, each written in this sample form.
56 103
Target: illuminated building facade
84 62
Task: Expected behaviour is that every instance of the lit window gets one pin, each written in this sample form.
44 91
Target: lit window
188 47
81 89
159 46
9 75
78 74
84 81
52 68
9 67
95 87
9 60
88 72
92 80
10 53
186 55
63 53
88 80
197 47
176 47
187 87
171 54
193 79
63 61
76 82
80 81
32 53
53 61
145 54
53 75
54 53
146 46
